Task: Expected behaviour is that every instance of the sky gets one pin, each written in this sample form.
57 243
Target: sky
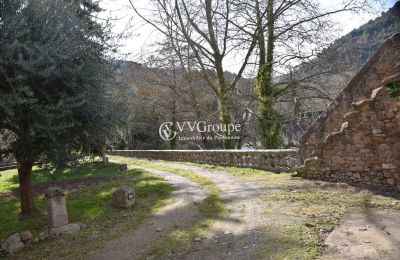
140 36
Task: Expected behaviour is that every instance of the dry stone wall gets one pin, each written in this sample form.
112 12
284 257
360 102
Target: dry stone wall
384 63
272 160
366 149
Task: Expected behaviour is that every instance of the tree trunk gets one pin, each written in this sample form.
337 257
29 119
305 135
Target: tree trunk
104 157
225 119
25 188
268 118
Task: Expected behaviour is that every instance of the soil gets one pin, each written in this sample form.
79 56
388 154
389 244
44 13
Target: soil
365 234
240 233
183 211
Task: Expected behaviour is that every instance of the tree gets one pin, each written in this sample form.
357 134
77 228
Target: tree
295 32
54 99
205 28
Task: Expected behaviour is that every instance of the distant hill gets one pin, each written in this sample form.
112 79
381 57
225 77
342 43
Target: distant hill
364 41
338 63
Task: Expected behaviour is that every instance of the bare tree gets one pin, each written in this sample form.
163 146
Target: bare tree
288 33
206 29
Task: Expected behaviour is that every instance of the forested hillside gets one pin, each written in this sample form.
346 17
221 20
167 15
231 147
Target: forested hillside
156 92
364 41
333 69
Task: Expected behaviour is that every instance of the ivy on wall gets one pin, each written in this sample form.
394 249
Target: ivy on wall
394 89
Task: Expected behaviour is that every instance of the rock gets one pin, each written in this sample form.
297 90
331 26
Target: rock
66 229
35 240
83 226
158 230
228 233
13 243
123 198
26 236
43 236
197 239
123 167
309 225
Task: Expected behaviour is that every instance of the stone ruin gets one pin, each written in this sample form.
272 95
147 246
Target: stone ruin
357 138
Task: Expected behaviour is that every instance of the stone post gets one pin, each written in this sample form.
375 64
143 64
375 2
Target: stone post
56 207
124 198
123 167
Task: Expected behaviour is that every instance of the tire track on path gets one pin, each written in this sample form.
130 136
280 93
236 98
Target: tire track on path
242 233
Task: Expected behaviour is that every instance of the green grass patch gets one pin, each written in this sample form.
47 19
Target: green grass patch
94 169
181 239
92 206
299 213
306 211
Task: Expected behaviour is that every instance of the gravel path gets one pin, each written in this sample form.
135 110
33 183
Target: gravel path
181 212
240 234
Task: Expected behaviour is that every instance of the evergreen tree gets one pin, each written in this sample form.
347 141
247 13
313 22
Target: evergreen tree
53 84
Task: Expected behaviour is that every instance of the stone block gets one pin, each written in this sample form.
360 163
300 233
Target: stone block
123 198
390 181
56 207
388 166
65 230
13 243
123 167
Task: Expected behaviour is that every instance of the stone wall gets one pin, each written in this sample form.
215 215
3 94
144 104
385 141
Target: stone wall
271 160
384 63
366 149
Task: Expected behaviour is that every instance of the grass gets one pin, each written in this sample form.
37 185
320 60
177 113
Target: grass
299 213
181 239
91 205
9 178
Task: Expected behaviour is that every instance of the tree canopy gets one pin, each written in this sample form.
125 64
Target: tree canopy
54 70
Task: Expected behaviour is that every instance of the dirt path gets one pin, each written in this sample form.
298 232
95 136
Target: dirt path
241 233
365 234
181 212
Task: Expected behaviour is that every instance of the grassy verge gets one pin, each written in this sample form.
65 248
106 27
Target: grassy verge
90 205
300 213
180 240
